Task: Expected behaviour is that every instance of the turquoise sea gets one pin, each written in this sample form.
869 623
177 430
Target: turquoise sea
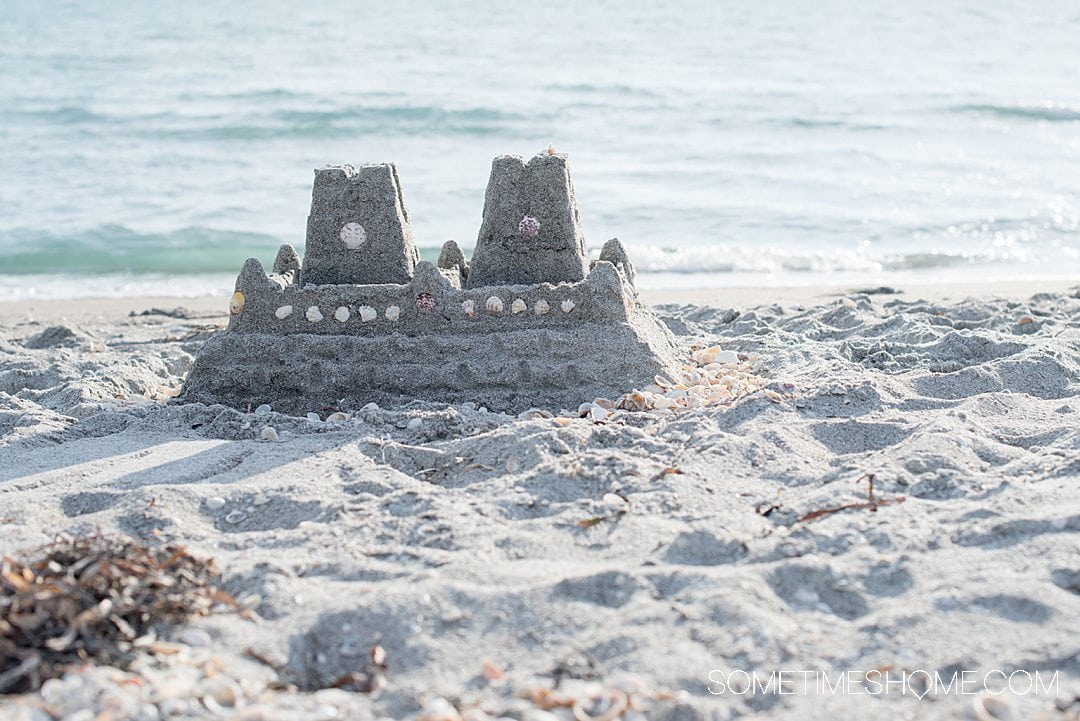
151 147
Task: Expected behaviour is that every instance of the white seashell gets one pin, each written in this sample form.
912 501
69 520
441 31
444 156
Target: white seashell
236 303
352 235
223 690
342 313
727 356
263 409
393 312
215 503
269 434
567 305
415 424
584 408
518 306
234 517
283 312
494 304
194 637
469 308
597 413
541 307
367 313
314 417
337 417
314 314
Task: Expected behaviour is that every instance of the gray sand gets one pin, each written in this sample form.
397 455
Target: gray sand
642 552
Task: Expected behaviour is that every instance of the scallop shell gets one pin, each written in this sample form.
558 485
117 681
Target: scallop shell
367 313
518 306
494 304
283 312
342 313
567 305
468 307
352 235
529 226
236 303
541 307
314 314
393 312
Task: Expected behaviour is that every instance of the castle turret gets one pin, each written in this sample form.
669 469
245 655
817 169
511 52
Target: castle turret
358 230
530 232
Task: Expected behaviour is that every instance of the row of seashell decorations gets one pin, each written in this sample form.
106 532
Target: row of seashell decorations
494 305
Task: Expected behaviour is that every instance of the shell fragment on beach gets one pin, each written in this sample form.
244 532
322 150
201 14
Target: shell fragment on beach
567 305
494 304
313 314
392 313
236 303
283 312
518 306
468 307
367 313
542 307
342 314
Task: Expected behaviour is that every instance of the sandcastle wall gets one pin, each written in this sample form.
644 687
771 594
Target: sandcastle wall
372 310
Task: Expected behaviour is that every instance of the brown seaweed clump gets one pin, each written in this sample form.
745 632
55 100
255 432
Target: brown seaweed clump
90 599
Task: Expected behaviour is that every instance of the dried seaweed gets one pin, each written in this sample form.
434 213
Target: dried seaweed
87 599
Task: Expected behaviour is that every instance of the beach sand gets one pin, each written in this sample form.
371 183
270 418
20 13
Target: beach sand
643 560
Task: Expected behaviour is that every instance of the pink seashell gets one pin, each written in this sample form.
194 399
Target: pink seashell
425 302
529 226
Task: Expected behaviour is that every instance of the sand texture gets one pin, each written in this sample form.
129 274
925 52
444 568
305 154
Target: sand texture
637 554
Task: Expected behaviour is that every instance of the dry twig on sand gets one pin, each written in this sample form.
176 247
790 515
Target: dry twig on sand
871 504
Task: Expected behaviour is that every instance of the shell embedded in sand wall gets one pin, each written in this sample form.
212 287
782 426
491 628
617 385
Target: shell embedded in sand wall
283 312
542 307
468 307
494 304
236 303
425 302
314 314
518 306
567 305
529 226
393 312
352 235
367 313
341 314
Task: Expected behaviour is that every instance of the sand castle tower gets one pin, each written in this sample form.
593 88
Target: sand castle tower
530 232
358 231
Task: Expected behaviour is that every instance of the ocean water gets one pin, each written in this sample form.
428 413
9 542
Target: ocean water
151 147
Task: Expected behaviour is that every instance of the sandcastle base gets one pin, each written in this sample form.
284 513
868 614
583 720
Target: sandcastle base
510 371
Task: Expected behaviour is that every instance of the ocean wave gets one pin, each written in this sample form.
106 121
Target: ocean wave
732 259
1052 112
117 249
284 122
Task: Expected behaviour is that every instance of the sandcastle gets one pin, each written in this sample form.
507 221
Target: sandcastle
529 322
